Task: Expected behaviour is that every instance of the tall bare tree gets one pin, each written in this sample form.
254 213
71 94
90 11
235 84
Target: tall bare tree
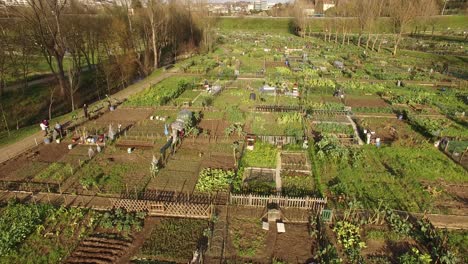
45 17
403 13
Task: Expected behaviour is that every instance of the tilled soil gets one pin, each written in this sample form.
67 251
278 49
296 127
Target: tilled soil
100 248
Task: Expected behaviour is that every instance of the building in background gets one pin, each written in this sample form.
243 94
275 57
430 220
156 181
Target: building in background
260 5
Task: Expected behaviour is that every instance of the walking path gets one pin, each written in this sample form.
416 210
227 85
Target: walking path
17 86
12 150
356 133
278 172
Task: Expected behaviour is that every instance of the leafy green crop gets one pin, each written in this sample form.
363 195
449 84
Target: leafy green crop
56 171
122 220
161 93
213 180
264 155
348 235
17 221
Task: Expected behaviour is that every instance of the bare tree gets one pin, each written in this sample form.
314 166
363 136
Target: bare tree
45 17
403 13
4 57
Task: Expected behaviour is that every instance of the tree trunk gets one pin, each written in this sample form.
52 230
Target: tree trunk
51 102
336 36
153 40
359 40
380 45
397 42
375 41
72 101
61 74
368 40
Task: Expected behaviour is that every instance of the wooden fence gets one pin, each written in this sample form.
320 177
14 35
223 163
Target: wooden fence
328 112
314 204
278 108
278 140
29 186
172 209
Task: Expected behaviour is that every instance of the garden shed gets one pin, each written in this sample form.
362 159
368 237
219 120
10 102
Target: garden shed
268 89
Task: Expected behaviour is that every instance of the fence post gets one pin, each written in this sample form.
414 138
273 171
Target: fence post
250 199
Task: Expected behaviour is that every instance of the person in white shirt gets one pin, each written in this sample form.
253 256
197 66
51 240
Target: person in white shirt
45 126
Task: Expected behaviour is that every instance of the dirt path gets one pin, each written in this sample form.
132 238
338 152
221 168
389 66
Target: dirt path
278 171
356 133
45 79
12 150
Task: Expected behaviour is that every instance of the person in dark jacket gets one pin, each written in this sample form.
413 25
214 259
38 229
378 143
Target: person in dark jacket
85 110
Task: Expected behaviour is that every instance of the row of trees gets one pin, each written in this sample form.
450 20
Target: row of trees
113 43
363 16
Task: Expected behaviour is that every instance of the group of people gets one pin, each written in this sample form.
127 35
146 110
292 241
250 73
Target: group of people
57 132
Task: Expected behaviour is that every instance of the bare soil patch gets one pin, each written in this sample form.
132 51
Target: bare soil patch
125 115
369 101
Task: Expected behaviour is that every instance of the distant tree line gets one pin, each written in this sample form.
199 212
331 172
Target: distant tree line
116 43
364 15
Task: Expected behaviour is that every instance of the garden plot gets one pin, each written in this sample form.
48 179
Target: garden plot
295 161
186 98
344 132
259 181
144 135
26 166
125 116
294 184
367 104
114 172
77 155
248 242
395 174
180 173
448 197
35 229
389 130
213 127
173 240
328 117
273 124
323 101
439 127
223 161
241 98
384 244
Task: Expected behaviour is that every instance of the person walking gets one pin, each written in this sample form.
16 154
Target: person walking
85 110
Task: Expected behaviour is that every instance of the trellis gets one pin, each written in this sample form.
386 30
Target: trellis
173 209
